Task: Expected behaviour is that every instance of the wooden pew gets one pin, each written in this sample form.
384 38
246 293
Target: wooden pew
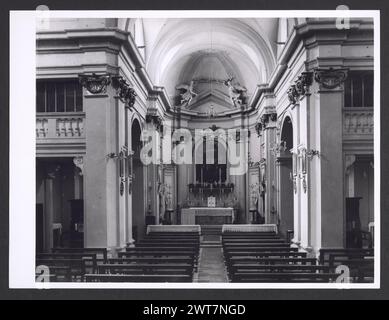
59 274
157 268
325 252
137 278
77 266
151 260
90 258
260 249
100 252
283 277
361 268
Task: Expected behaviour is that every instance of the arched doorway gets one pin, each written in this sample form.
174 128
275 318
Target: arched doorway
285 178
138 208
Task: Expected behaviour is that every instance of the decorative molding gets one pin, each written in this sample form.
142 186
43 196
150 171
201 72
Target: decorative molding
79 163
330 78
94 83
124 91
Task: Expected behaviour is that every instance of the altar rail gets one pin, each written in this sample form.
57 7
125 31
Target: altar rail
173 228
249 228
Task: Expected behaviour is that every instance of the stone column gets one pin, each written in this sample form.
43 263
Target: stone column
269 125
326 168
49 206
101 169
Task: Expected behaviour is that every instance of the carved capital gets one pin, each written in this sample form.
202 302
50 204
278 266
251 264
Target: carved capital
267 117
94 83
79 163
330 78
303 82
258 128
153 117
300 87
124 91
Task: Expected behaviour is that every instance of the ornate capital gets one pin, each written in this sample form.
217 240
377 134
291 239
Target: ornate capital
94 83
303 82
153 117
330 78
267 117
300 87
79 163
258 128
124 91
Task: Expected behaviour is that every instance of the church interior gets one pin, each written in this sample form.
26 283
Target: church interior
205 150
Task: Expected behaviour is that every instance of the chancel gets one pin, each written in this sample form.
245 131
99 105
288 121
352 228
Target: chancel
205 149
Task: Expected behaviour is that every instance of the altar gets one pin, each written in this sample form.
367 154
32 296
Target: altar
206 215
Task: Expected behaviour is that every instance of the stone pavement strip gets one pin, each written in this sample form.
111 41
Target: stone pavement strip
211 265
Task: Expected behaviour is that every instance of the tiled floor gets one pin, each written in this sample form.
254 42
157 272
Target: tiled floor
211 265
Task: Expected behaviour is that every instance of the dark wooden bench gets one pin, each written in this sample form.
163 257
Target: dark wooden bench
59 274
137 278
100 252
90 258
157 268
257 254
258 267
361 268
325 252
260 249
137 260
256 244
77 266
283 277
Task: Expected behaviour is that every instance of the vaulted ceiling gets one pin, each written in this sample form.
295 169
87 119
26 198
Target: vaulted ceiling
209 51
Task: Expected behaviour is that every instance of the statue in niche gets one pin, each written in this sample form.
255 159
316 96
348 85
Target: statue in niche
236 92
186 92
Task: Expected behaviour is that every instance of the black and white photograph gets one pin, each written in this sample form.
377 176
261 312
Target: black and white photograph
195 149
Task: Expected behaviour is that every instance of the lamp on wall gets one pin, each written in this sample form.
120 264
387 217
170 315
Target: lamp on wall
125 167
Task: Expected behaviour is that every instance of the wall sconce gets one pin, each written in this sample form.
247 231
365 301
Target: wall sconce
303 158
311 153
125 168
294 169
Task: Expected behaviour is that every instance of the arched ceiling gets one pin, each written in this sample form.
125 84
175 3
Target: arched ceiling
180 50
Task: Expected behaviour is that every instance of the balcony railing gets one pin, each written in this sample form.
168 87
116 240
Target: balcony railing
358 121
60 125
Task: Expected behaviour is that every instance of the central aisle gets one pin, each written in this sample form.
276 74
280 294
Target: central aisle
211 265
211 262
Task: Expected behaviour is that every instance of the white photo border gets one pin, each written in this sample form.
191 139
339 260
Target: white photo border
22 145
